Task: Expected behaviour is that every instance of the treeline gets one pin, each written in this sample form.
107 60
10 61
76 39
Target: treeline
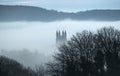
29 58
10 67
31 13
89 54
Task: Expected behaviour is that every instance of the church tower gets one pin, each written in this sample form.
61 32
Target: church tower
61 37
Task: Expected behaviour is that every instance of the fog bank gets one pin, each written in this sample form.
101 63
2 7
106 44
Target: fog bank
40 35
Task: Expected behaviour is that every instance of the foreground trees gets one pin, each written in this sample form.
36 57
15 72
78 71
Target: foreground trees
89 54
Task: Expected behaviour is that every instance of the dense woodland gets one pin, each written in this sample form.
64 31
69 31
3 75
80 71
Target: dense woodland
86 54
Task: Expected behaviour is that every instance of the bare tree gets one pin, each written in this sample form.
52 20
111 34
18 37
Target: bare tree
87 54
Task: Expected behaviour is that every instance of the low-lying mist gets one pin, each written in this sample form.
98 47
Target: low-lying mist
26 57
40 36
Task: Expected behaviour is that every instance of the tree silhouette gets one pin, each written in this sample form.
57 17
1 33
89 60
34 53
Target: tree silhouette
90 54
109 41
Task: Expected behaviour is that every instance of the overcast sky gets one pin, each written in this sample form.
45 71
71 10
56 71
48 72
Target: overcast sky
67 5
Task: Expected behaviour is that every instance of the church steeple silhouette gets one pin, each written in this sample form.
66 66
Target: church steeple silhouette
61 37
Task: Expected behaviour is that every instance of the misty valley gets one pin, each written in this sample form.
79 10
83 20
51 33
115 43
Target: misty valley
35 41
24 41
41 36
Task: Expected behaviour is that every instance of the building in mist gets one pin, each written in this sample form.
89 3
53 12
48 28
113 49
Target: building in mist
61 37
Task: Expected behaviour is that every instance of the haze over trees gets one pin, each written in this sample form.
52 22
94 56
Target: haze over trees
30 13
10 67
26 57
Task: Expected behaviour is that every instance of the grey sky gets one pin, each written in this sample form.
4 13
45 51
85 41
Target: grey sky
67 5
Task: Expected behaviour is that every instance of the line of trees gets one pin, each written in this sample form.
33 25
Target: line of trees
89 54
10 67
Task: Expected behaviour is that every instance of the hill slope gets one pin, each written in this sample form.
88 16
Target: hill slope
29 13
9 67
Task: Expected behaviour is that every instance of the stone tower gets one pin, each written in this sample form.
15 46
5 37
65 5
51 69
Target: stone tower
61 37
